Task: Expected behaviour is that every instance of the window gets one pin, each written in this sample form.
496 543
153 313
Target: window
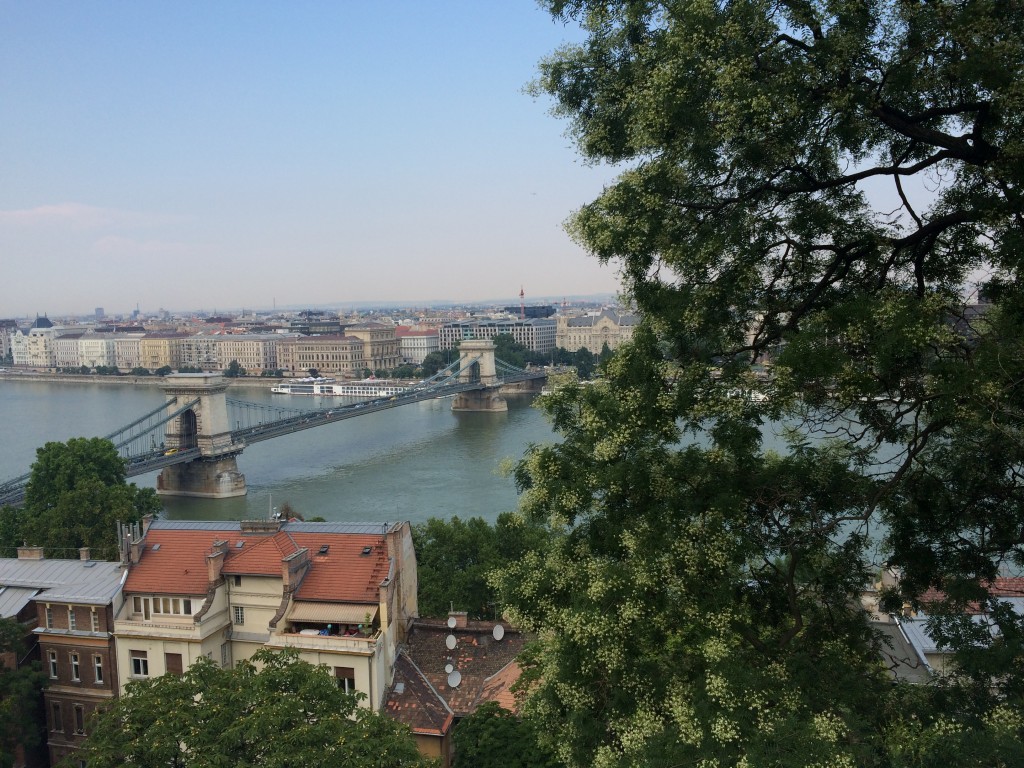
172 663
49 617
75 670
79 718
238 581
95 621
346 678
161 606
239 615
56 721
51 657
140 664
72 622
97 668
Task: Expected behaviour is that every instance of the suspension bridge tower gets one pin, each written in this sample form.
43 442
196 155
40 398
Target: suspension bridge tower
477 357
214 475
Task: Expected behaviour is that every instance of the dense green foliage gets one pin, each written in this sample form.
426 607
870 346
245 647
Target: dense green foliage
75 497
454 559
21 695
810 189
275 711
493 737
235 370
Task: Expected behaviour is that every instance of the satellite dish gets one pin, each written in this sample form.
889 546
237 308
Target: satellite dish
448 669
450 642
454 679
498 632
451 622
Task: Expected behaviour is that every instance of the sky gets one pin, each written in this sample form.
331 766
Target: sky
221 155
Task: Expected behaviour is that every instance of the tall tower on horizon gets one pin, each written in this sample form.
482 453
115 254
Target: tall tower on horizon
522 304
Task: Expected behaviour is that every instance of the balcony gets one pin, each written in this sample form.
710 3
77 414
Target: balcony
312 640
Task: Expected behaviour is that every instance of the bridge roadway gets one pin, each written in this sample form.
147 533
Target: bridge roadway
13 491
246 436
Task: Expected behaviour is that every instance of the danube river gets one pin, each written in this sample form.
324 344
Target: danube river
408 463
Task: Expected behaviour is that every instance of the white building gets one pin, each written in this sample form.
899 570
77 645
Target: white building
414 345
536 334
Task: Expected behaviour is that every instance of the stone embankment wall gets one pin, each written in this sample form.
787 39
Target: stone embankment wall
126 380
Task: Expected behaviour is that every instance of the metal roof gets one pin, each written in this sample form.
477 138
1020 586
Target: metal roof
373 529
13 599
69 581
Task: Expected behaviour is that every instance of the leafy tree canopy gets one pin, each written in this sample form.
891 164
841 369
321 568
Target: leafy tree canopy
454 559
75 496
432 363
811 193
274 710
493 737
234 370
20 695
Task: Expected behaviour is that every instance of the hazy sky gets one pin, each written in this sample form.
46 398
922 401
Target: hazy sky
201 155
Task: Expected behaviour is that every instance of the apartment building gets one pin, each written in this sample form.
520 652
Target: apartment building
342 595
415 345
537 334
97 349
256 352
161 349
330 355
72 604
380 344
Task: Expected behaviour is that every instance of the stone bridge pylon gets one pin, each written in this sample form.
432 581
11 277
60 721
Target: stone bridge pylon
206 426
477 357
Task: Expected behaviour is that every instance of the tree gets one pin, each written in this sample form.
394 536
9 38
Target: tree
76 495
314 373
492 737
21 695
432 363
455 558
234 370
163 370
273 710
702 601
511 351
139 371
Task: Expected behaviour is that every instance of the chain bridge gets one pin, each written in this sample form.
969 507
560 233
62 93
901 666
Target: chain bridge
194 438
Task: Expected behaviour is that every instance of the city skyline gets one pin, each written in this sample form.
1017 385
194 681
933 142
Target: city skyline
190 156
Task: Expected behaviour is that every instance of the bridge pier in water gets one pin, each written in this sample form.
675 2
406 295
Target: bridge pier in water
214 475
478 365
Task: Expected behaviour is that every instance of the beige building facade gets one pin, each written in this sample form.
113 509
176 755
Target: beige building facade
593 332
330 355
342 595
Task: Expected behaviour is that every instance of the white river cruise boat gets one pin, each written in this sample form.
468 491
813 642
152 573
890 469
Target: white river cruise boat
324 387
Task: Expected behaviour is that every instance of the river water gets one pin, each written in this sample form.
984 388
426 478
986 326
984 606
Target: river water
408 463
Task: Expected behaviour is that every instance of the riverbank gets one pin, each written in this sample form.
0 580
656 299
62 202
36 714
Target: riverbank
125 380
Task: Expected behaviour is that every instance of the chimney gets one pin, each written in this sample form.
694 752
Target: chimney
214 565
84 553
135 547
30 553
293 568
461 619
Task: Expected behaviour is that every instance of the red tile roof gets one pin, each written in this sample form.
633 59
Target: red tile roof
344 573
484 664
259 556
417 704
173 562
1004 586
